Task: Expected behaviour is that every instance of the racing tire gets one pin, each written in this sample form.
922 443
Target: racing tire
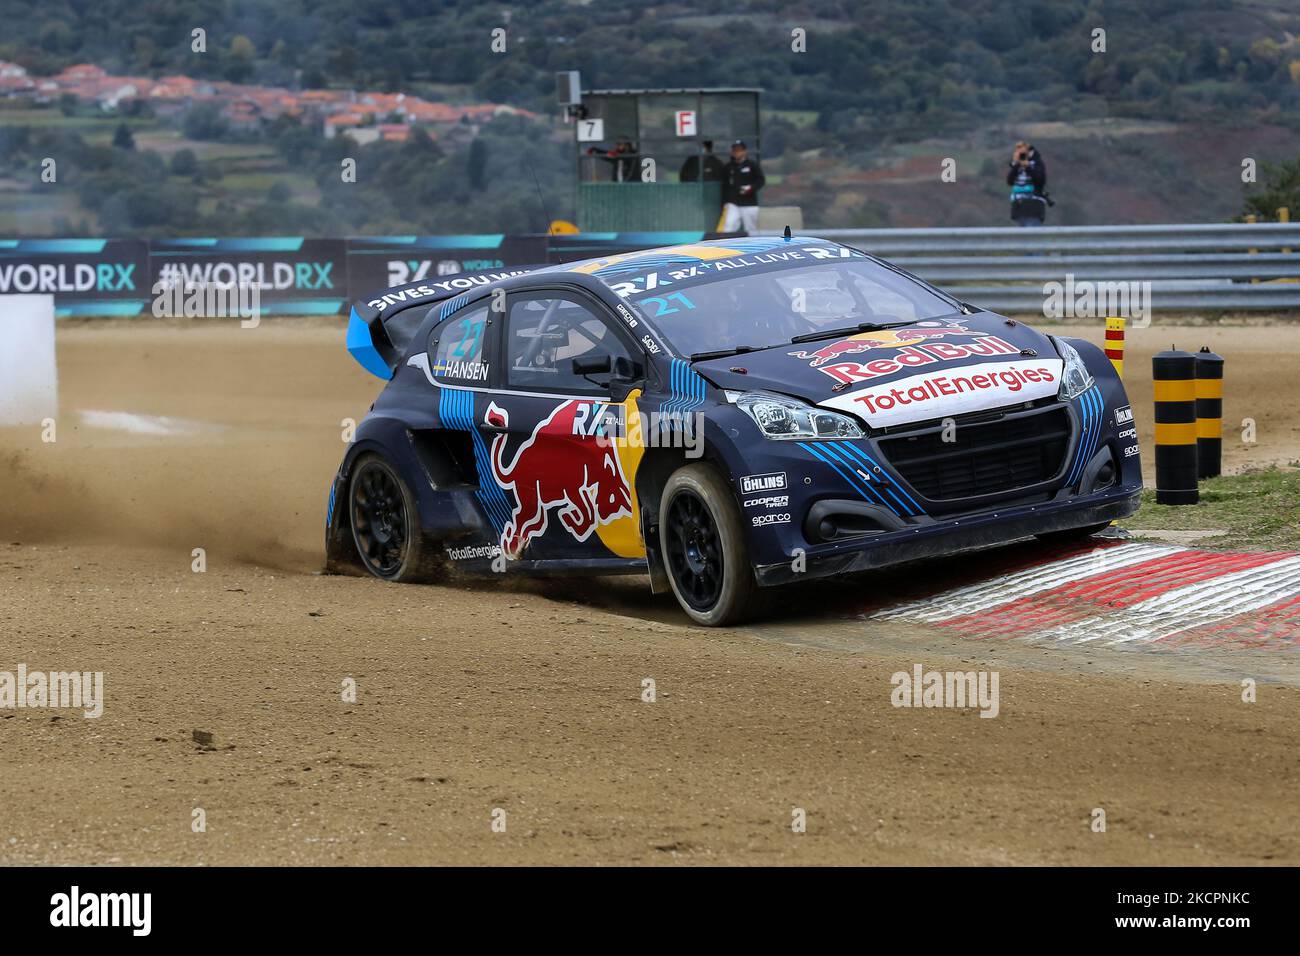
1073 534
702 541
385 525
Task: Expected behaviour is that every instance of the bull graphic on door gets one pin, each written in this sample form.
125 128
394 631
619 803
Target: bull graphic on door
575 469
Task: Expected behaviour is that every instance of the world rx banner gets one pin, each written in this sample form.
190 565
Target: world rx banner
385 261
85 276
291 275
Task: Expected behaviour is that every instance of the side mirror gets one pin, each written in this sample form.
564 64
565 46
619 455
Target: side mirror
628 370
593 365
624 373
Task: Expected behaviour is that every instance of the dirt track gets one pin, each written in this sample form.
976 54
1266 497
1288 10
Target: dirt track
477 696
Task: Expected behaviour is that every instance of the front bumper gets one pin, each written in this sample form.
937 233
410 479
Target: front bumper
943 537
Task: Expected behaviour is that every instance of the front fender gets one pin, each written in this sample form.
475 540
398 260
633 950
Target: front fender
1118 425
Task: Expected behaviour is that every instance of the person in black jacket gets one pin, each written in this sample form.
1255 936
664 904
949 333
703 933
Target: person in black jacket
1027 177
742 178
712 166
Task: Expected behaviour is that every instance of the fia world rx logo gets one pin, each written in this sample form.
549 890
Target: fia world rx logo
402 271
594 419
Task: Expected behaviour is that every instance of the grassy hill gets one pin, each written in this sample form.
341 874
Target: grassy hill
855 128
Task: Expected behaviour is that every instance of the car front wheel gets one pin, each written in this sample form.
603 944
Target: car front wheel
702 540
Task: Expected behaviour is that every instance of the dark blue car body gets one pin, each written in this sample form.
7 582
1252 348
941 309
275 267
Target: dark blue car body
946 432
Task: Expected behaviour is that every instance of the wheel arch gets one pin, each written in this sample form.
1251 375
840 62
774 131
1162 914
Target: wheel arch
389 438
340 550
656 467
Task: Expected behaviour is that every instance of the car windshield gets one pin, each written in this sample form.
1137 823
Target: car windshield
731 307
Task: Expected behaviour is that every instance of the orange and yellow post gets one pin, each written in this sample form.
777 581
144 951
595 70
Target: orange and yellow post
1115 343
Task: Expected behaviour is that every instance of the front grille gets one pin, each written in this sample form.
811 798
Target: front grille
984 457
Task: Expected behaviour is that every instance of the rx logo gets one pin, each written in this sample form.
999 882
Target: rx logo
313 275
114 277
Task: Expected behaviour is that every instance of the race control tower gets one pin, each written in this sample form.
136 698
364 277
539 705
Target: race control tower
641 157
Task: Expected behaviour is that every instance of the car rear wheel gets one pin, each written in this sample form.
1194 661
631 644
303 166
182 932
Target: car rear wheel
385 526
703 545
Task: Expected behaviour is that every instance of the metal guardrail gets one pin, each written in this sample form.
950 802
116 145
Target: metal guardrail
1195 266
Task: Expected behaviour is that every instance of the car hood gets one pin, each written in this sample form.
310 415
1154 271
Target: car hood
925 370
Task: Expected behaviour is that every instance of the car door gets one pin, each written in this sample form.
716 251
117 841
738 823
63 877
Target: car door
558 438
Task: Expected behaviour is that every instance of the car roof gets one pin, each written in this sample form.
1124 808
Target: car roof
627 265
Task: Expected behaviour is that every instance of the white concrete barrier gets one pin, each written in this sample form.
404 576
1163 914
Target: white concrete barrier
29 378
776 218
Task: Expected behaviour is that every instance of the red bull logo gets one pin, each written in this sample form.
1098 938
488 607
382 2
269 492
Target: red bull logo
881 339
570 469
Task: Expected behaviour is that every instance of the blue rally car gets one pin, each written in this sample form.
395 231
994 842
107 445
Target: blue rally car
724 416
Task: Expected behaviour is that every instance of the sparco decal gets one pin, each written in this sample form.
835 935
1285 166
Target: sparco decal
772 481
939 394
917 356
882 339
558 466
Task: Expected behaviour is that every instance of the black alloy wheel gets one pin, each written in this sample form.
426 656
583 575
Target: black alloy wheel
694 550
381 526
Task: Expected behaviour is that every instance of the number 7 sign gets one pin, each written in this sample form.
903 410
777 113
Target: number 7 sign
591 130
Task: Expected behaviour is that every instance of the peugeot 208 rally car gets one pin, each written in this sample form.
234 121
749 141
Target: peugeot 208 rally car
724 416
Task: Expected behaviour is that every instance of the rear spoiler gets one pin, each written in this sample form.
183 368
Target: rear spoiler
381 326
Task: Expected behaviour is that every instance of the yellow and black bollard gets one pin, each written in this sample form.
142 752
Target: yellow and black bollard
1209 413
1115 343
1175 385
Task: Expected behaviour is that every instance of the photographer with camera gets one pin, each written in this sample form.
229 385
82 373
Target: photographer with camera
1027 177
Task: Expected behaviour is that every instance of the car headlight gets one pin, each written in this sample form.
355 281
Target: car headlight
1075 379
779 416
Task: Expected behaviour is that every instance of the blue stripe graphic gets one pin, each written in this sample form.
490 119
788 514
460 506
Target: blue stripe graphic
451 305
890 483
686 389
1078 451
833 450
886 481
456 411
1091 409
854 480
